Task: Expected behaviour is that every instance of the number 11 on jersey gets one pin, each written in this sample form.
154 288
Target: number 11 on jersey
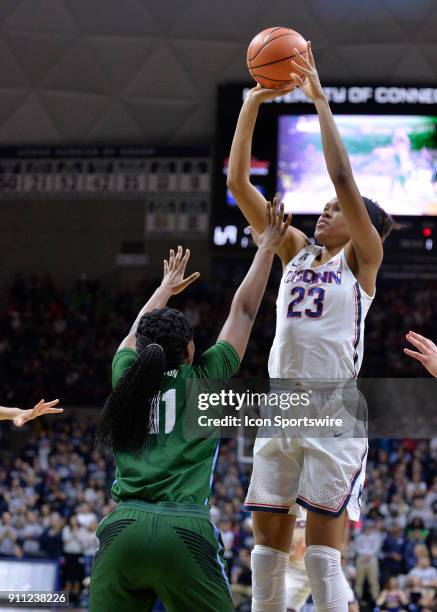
169 400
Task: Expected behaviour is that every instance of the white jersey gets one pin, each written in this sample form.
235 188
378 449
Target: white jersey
320 314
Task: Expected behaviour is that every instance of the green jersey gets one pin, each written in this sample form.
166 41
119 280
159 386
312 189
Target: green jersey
174 467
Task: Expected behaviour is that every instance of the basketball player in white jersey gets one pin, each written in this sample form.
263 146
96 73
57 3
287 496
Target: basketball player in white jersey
323 299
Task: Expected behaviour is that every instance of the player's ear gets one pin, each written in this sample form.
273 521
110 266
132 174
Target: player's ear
189 352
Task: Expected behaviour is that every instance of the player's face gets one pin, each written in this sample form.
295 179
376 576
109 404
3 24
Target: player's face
190 352
331 228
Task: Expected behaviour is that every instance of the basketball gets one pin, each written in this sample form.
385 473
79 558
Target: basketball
270 53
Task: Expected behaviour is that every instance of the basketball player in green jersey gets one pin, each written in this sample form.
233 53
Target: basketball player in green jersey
160 542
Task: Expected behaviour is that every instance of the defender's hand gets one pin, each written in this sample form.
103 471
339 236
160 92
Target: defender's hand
274 234
174 270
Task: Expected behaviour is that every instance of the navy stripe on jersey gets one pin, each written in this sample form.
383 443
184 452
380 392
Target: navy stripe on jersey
358 317
319 509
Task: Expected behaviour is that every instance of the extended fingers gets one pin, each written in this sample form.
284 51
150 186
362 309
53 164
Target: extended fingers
297 78
178 255
416 340
286 224
310 54
184 260
269 213
309 71
302 58
190 279
281 214
274 209
171 260
415 355
426 341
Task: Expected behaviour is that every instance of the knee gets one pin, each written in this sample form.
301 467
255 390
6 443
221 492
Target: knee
323 565
268 574
322 561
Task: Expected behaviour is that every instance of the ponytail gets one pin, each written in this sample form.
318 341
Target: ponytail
383 222
128 414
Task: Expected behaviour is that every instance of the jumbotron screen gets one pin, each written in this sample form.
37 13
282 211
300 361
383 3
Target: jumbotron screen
390 133
393 157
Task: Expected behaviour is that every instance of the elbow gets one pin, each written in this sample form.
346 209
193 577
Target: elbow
341 176
248 313
232 183
235 183
243 311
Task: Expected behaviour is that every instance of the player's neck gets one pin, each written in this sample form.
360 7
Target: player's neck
327 253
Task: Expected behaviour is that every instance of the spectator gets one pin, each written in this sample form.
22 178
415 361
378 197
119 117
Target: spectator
421 511
73 541
393 553
51 539
31 535
420 598
85 517
392 598
228 536
90 546
367 546
8 538
424 571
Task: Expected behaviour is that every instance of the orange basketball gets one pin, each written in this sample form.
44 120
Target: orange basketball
270 53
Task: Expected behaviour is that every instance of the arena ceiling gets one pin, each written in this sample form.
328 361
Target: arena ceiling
89 71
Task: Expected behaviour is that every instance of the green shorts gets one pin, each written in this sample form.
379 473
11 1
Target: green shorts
166 550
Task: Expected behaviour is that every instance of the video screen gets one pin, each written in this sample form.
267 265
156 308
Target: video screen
394 160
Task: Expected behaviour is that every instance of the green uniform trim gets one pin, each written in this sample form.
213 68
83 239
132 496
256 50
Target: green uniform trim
167 508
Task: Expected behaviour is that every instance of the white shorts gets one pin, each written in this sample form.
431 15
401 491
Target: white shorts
298 588
323 474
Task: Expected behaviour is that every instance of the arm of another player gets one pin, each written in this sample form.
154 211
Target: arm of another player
366 242
19 417
427 354
173 282
250 201
237 328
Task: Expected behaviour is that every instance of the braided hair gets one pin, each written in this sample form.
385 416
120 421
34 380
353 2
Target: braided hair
127 416
383 222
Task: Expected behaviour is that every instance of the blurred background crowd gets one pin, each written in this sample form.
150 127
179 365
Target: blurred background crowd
55 490
60 343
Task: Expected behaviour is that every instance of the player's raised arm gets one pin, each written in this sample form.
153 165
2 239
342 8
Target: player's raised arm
19 417
247 299
252 203
173 282
364 237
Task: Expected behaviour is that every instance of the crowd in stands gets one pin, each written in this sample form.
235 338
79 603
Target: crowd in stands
53 493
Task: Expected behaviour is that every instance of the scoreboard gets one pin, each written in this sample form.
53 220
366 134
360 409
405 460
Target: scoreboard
173 182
